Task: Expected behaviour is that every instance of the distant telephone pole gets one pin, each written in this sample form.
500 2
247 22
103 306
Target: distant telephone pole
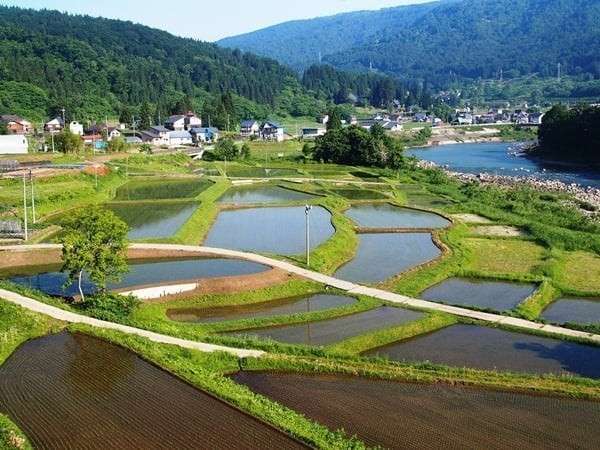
26 230
32 198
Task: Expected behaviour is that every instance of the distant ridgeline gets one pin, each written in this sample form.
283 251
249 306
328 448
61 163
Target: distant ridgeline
445 42
571 135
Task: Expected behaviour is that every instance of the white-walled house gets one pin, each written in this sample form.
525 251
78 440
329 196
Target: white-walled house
112 133
177 138
249 128
13 144
311 133
55 125
76 128
175 123
270 131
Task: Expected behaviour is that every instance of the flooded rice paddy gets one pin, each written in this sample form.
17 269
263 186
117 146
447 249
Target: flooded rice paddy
162 189
496 349
262 194
382 256
360 194
259 310
384 215
437 416
52 282
496 295
73 391
270 230
584 311
156 220
334 330
261 172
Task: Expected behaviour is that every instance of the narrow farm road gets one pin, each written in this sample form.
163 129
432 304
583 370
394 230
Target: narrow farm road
347 286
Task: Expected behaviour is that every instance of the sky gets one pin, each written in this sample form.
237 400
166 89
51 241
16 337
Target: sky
208 20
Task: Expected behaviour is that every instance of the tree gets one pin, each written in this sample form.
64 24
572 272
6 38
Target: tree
245 152
94 241
67 142
126 116
145 116
335 121
146 148
307 150
117 145
226 149
3 128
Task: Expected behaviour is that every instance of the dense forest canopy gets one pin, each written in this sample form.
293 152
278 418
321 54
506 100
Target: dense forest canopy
94 67
571 135
449 41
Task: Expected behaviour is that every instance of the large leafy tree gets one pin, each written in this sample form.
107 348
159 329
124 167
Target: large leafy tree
67 142
94 242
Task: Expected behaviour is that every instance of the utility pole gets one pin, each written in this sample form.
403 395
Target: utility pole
63 116
25 206
307 210
32 198
52 137
558 71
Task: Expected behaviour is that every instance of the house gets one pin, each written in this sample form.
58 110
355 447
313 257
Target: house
112 133
521 118
133 140
176 123
204 135
420 117
312 133
536 118
180 122
156 135
463 119
177 138
76 128
15 124
55 125
249 128
391 126
323 119
271 131
92 138
13 145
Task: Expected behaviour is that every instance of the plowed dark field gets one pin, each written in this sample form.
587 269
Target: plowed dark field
435 416
74 392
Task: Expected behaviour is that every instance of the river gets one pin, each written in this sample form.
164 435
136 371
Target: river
498 158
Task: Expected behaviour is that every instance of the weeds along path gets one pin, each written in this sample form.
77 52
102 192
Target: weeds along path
347 286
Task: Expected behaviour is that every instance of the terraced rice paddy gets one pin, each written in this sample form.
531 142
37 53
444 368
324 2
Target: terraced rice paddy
73 391
360 194
259 310
261 172
583 311
384 215
153 273
382 256
162 189
496 349
495 295
148 220
438 416
262 194
270 230
334 330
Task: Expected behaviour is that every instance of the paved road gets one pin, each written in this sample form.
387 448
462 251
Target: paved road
347 286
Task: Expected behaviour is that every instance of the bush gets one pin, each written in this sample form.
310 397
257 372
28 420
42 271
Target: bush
110 307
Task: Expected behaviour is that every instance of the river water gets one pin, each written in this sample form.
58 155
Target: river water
498 158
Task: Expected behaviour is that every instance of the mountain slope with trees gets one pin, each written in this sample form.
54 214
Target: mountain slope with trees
448 41
97 67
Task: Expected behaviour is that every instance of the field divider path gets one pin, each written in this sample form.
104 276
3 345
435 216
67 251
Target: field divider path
349 287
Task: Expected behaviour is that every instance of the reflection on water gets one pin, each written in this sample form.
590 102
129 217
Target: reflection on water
262 194
574 310
384 215
496 349
496 158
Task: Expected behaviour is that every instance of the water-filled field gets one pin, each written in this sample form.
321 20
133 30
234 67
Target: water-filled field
384 215
263 309
381 256
496 295
433 416
360 194
159 220
261 172
73 391
262 194
154 273
496 349
270 230
160 189
574 310
334 330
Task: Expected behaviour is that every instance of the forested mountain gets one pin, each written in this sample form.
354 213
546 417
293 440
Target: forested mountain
298 43
95 67
448 41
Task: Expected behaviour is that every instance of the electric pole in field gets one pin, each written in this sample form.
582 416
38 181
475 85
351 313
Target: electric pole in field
32 198
25 206
307 210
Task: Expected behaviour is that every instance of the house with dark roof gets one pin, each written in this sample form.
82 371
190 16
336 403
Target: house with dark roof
204 135
55 125
249 128
271 131
175 123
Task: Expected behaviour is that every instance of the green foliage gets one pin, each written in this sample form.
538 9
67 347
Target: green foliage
11 438
245 152
110 307
24 99
117 145
571 134
94 240
67 142
356 146
335 121
3 129
226 149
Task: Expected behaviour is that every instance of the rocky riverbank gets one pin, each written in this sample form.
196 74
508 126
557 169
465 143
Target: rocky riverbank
586 198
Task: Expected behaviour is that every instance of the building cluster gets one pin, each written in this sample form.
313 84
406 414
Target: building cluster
495 116
267 131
